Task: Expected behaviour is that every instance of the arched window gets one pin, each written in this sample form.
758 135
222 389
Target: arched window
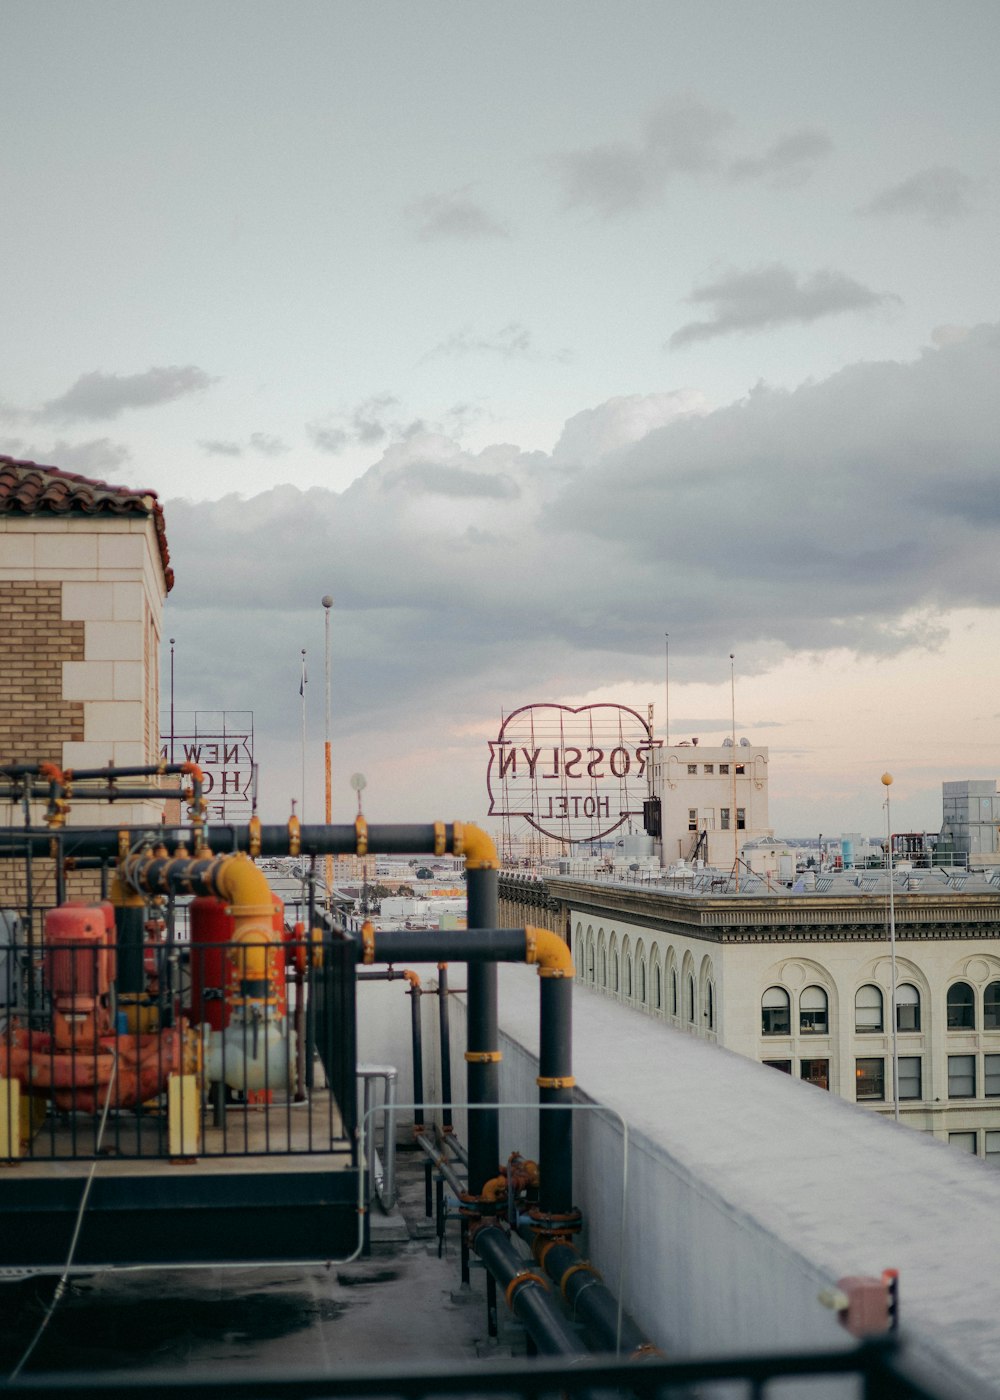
991 1007
627 962
602 958
657 986
673 991
690 1000
615 967
868 1009
775 1012
814 1016
641 971
961 1007
710 1005
908 1007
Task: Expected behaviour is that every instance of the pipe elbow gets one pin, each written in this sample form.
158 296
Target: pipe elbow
549 951
477 847
412 977
495 1189
244 888
123 897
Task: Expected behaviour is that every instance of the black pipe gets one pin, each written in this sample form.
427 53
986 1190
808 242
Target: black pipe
444 1026
130 931
481 942
442 1164
482 1028
589 1300
530 1300
555 1069
417 1042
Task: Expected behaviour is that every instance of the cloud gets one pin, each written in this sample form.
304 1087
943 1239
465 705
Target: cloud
790 161
97 396
97 457
513 341
327 439
849 513
216 447
937 195
268 445
682 137
453 216
774 296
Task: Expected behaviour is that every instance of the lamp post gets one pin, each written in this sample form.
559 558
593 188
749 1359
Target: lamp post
887 783
327 602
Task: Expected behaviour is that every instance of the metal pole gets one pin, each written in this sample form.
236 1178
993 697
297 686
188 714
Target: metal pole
887 782
732 771
302 692
666 698
171 699
327 601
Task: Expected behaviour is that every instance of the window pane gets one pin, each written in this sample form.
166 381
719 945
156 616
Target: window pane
870 1079
868 1009
909 1077
784 1065
907 1008
991 1007
690 1007
961 1007
993 1148
965 1142
815 1072
776 1013
961 1076
812 1011
991 1076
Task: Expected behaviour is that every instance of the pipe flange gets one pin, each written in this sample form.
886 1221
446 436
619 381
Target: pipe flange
361 835
566 1082
584 1267
555 1223
484 1057
440 839
518 1281
294 836
255 836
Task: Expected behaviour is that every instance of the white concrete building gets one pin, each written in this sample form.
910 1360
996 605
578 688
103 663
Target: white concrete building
802 981
712 799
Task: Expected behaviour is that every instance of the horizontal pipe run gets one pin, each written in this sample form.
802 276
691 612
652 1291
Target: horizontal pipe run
590 1302
528 1296
455 945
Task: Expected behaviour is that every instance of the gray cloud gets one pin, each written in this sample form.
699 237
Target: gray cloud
683 136
453 216
842 514
327 439
217 447
790 161
440 478
368 419
97 456
937 195
774 296
268 445
96 396
513 341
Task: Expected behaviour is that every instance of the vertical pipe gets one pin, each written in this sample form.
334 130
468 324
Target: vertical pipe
444 1025
327 605
417 1042
482 1055
555 1068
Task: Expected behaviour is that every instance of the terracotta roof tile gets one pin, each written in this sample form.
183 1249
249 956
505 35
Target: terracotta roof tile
29 489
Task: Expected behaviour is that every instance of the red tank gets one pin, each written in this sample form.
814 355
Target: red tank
79 964
211 927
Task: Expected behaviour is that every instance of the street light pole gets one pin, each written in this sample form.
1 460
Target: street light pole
887 783
327 601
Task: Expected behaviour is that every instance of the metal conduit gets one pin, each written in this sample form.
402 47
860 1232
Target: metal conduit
386 1190
591 1302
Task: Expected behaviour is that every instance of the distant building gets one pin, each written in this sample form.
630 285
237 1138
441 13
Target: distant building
801 980
971 820
712 800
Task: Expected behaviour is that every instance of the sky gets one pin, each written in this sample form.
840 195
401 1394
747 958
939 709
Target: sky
533 333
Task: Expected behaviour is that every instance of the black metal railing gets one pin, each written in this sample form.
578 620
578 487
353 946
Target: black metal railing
875 1370
92 1068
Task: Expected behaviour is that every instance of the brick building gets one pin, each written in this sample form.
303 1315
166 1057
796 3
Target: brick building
84 572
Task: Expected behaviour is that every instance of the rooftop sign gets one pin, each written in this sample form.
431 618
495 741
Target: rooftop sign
574 774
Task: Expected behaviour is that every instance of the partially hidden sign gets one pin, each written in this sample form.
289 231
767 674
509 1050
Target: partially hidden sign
574 774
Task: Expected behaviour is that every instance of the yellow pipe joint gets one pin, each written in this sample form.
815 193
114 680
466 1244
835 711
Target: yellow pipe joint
549 951
479 849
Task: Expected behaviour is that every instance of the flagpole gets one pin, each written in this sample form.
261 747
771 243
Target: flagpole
327 601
